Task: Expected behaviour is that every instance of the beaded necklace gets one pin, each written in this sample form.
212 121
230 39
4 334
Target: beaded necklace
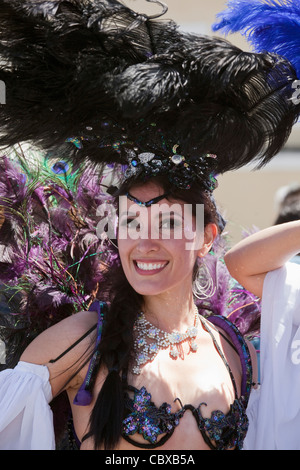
146 351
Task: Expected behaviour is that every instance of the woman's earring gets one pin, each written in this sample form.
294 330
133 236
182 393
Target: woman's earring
203 285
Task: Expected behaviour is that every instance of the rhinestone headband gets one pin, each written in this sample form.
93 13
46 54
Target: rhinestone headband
161 159
181 171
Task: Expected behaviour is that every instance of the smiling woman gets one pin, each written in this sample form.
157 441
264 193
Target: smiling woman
164 252
105 88
154 332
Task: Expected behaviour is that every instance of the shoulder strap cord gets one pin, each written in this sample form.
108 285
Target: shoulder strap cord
84 395
242 349
208 329
52 361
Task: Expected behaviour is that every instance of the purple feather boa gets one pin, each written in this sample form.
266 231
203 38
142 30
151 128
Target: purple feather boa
50 254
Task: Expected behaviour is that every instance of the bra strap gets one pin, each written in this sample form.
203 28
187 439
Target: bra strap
84 395
52 361
242 349
209 330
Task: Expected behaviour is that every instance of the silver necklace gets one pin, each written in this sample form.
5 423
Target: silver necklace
149 340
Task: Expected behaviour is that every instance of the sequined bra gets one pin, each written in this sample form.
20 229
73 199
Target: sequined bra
156 424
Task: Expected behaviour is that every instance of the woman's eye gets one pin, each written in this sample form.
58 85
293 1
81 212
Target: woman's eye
170 224
126 222
131 223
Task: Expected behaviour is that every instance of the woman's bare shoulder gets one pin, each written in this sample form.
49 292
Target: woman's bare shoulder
52 342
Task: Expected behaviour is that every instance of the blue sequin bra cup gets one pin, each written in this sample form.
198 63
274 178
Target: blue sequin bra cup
220 432
156 424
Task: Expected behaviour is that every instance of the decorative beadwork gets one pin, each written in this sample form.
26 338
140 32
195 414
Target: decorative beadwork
221 431
182 171
146 419
145 350
182 168
224 431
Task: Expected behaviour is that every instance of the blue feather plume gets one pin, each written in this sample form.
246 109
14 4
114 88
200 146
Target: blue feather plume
269 25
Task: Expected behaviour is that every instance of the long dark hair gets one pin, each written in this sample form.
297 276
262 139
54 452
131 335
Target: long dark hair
116 346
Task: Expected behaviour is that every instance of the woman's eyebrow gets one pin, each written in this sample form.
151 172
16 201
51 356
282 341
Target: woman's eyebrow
158 213
170 213
128 214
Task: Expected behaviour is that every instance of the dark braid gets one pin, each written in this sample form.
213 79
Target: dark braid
115 354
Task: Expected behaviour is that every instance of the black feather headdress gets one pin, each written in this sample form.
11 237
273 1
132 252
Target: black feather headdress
92 79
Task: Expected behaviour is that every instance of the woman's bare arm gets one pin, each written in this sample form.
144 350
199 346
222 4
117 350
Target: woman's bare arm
55 340
251 259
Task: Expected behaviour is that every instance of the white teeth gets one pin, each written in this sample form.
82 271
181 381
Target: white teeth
150 266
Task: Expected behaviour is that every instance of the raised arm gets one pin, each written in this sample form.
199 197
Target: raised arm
251 259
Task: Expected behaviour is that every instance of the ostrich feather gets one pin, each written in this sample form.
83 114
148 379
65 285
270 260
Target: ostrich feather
93 79
269 25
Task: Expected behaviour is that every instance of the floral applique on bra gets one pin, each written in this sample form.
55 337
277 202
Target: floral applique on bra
220 432
225 430
156 424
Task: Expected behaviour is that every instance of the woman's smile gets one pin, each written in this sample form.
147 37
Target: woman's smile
149 267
